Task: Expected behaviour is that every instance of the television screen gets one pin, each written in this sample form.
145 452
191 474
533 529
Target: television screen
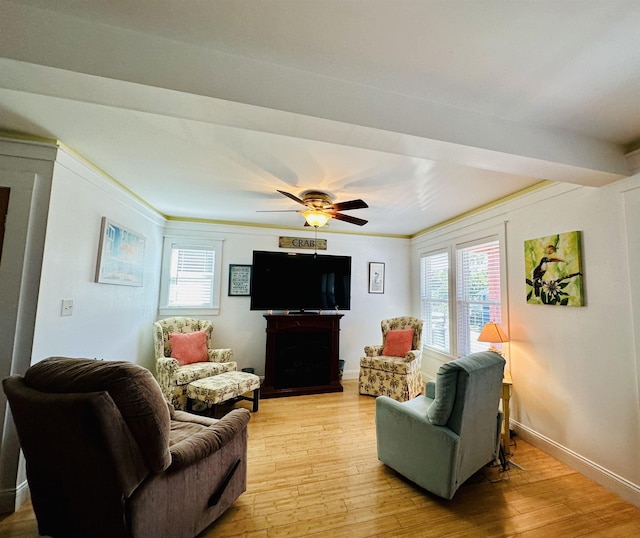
292 281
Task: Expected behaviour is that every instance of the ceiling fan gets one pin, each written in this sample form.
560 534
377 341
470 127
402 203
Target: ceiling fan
320 208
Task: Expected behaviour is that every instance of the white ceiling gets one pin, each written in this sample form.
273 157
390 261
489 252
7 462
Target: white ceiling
424 109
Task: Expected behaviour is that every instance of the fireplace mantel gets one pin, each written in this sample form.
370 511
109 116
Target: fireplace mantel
302 354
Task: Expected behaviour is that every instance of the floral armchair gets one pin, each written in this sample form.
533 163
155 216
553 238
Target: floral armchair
394 368
174 376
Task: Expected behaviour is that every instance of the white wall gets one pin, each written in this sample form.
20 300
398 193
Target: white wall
574 370
109 321
114 322
243 330
577 365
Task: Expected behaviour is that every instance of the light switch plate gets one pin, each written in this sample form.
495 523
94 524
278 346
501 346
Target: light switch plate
67 307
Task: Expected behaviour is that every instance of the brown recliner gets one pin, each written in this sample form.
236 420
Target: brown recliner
107 457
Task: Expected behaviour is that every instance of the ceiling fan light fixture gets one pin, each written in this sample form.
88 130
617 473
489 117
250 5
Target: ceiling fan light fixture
315 218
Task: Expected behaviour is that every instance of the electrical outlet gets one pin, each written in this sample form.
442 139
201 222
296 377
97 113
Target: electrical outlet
67 307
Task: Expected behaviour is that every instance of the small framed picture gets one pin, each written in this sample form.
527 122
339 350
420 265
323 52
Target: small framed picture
239 280
376 277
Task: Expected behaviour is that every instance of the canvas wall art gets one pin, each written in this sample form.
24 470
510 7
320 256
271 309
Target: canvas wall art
120 256
553 267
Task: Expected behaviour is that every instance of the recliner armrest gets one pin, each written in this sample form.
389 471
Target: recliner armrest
210 439
430 389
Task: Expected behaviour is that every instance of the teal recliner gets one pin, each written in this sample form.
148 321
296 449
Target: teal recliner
441 439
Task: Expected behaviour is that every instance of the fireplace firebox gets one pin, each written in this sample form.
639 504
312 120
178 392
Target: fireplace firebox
302 354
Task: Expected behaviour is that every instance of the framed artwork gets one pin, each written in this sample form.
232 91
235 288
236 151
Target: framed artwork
376 277
120 255
553 267
239 280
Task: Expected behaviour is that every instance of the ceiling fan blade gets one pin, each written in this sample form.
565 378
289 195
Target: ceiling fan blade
350 204
293 197
278 210
349 218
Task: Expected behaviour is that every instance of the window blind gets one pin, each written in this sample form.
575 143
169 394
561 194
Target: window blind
434 272
478 293
191 277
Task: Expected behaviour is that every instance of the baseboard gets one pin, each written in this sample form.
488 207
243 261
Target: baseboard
14 498
23 494
351 374
625 489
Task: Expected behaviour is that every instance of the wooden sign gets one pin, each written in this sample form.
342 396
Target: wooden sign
303 243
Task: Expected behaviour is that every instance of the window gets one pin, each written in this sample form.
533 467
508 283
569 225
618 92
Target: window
478 293
190 276
434 271
467 293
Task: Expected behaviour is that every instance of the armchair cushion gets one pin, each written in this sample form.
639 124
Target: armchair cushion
445 395
188 348
388 364
398 343
193 438
199 370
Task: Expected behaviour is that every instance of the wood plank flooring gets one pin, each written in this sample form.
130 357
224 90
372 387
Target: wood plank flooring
313 472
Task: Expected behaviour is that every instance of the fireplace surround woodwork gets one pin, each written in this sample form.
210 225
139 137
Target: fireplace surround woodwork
302 354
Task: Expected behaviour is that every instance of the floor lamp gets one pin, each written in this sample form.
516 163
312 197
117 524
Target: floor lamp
493 334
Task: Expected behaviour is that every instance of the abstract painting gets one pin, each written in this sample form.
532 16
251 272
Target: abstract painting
553 270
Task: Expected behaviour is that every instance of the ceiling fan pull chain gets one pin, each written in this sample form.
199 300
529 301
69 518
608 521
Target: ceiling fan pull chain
315 243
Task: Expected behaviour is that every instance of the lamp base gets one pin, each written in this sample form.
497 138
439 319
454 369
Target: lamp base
495 350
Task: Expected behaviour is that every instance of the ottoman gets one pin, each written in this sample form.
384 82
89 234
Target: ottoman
222 387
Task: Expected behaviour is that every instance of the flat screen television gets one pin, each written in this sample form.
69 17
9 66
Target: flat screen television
293 281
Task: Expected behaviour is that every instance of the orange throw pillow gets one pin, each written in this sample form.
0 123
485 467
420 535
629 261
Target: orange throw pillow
398 343
189 347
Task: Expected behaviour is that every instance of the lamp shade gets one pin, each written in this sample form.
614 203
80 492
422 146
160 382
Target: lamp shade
315 218
492 333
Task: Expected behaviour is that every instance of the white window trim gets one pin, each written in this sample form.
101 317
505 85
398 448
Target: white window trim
452 243
171 242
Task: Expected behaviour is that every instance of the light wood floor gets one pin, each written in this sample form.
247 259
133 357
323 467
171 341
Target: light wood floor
313 471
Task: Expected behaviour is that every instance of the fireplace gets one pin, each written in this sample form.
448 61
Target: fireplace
302 359
302 355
